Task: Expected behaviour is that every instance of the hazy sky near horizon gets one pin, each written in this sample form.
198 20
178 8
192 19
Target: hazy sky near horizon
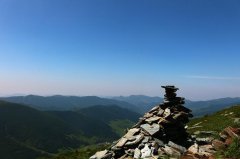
120 47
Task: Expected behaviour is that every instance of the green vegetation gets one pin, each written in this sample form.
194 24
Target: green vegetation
216 122
29 133
232 152
119 126
109 113
81 153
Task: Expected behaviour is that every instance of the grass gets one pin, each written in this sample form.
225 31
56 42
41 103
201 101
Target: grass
119 126
232 152
216 122
81 153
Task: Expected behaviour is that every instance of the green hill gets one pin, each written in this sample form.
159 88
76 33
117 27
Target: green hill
217 121
28 133
86 129
109 113
117 118
31 126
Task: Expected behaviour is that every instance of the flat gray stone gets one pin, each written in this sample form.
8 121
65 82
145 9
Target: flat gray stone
206 150
136 141
154 109
131 132
236 120
146 152
137 153
205 140
152 119
151 129
159 142
132 138
178 147
148 115
121 142
93 157
170 151
99 154
167 112
205 132
146 139
160 112
193 149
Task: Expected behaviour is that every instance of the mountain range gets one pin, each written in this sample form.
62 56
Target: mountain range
33 126
199 108
62 103
136 103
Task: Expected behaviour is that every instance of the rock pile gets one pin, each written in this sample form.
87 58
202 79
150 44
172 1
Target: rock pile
226 138
160 132
204 148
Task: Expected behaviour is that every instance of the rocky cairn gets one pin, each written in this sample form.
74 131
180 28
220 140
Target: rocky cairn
160 132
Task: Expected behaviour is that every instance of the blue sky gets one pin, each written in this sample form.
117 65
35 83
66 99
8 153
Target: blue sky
120 47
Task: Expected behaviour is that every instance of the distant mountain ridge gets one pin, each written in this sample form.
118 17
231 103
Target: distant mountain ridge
59 102
136 103
199 108
144 103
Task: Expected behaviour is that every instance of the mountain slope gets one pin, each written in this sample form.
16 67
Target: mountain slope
65 102
201 108
85 127
117 118
109 113
26 132
28 125
217 121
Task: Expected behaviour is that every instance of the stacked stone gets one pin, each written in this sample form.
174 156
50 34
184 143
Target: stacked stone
175 130
160 132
